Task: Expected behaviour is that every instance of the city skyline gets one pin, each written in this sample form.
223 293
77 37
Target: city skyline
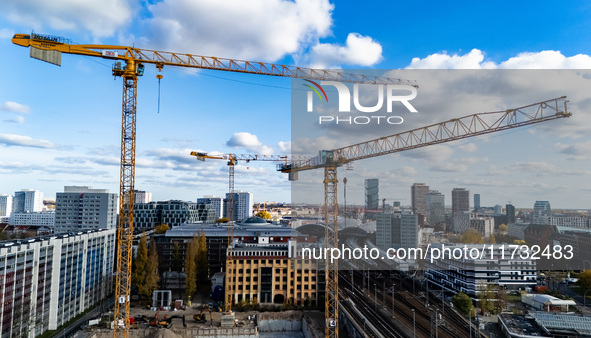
61 126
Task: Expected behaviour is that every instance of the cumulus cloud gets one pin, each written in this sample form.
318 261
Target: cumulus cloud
24 141
284 147
15 107
263 30
249 142
101 17
475 59
358 50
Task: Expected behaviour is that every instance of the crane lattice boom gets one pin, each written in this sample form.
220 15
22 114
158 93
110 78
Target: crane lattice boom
451 130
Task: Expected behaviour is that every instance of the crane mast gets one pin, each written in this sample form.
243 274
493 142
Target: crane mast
129 66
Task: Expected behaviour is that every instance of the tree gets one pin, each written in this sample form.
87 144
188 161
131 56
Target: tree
263 214
585 280
176 261
503 228
141 260
191 268
201 263
462 302
492 239
223 220
161 229
152 275
471 236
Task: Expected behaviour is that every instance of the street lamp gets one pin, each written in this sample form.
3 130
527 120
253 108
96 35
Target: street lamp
414 327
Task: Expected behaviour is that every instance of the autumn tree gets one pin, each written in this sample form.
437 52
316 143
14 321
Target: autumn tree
141 260
201 263
492 239
152 275
584 280
161 229
223 220
176 261
462 302
263 214
471 236
503 228
191 268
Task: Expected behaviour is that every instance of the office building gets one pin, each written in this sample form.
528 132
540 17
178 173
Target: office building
274 273
510 213
37 219
372 197
5 205
461 222
82 208
484 225
460 200
542 210
472 276
435 208
243 202
398 230
216 202
50 280
171 213
476 201
27 200
498 209
418 193
142 197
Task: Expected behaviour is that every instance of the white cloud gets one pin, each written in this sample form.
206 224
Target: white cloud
16 119
249 142
577 151
358 50
284 147
15 107
475 59
545 169
265 30
101 17
24 141
470 147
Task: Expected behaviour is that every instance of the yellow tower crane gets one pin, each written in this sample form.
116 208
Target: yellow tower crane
451 130
129 65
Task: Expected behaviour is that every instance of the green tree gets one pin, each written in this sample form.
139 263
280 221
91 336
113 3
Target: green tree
152 275
585 280
161 229
263 214
141 260
471 236
191 268
201 263
176 261
462 302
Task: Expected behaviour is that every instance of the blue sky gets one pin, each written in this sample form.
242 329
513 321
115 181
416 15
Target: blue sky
61 125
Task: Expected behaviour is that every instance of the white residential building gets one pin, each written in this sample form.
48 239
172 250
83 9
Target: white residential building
216 202
48 281
5 205
44 218
243 202
142 197
27 200
484 225
82 208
